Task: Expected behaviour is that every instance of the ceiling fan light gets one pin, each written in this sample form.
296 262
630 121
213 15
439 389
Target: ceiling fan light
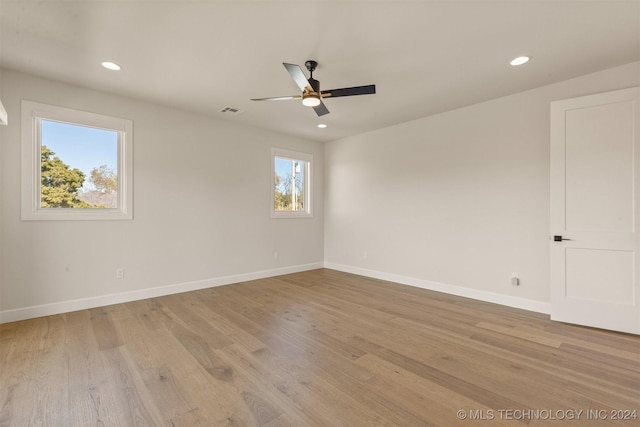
310 99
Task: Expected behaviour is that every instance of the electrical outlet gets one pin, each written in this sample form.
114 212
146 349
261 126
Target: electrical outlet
119 273
515 280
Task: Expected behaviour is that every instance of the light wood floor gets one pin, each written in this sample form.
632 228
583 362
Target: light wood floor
319 348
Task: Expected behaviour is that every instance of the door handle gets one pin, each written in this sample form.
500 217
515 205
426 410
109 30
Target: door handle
559 239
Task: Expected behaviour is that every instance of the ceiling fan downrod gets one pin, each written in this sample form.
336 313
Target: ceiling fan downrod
315 84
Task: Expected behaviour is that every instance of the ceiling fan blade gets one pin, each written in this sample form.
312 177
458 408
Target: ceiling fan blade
349 91
278 98
321 109
298 76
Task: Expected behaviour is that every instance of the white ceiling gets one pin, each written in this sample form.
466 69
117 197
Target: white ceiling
425 57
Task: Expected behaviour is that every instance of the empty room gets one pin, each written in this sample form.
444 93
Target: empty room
319 213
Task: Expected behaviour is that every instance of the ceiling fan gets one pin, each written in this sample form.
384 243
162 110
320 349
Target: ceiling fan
311 94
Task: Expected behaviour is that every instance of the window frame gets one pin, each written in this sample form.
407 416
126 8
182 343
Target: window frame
307 158
32 115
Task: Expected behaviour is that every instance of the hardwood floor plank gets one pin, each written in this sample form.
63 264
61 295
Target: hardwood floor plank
86 373
429 398
20 357
261 410
191 418
202 353
430 373
308 393
123 394
167 391
207 331
153 352
579 373
103 329
621 364
317 348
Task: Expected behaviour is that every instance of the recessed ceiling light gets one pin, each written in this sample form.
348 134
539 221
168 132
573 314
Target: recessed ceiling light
111 66
322 126
520 60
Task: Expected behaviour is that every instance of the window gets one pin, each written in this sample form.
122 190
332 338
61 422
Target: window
75 165
291 184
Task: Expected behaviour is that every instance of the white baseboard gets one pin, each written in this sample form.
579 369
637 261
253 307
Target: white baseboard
510 301
104 300
31 312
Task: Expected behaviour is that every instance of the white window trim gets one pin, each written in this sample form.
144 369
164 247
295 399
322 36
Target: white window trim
32 112
293 155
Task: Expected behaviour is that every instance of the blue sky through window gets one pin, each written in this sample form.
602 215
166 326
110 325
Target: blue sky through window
81 147
283 166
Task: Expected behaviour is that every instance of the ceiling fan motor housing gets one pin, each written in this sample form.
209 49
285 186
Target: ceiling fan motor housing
315 84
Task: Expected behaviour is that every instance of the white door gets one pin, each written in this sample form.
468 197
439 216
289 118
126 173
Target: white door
595 205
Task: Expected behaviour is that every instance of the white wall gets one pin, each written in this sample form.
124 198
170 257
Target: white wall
201 211
457 201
